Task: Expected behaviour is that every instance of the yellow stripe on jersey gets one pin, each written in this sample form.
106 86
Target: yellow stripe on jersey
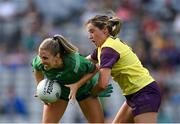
128 70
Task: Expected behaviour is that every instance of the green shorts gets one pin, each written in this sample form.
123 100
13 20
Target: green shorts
82 93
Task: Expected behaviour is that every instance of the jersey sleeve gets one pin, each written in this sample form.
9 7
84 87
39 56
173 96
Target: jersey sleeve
108 57
94 55
36 63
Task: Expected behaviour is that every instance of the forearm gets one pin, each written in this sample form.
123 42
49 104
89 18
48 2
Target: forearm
86 78
38 76
102 81
92 60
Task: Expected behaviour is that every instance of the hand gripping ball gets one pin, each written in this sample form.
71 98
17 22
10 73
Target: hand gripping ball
48 91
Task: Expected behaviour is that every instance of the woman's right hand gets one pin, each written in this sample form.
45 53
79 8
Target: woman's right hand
107 92
35 95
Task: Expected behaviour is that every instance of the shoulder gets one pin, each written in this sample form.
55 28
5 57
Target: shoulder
74 57
75 62
117 44
71 60
111 42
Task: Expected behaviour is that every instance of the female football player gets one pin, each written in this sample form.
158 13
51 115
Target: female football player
116 59
58 59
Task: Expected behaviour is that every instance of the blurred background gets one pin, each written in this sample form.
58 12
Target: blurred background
150 27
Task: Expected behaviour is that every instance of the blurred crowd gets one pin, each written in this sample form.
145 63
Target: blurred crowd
150 27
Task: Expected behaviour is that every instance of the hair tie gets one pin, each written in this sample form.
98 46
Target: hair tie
55 37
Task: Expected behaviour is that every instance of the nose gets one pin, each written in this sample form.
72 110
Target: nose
90 37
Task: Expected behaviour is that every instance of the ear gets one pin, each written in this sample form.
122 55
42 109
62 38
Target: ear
58 55
105 31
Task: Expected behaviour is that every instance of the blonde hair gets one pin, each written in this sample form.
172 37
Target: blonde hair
113 24
58 44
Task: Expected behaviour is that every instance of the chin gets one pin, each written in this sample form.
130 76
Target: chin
46 67
97 45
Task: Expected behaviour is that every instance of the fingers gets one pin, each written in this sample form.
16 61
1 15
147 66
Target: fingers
109 87
109 91
109 84
67 85
45 103
72 99
72 95
108 95
35 95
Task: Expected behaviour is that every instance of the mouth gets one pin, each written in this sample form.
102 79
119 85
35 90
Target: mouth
93 41
46 67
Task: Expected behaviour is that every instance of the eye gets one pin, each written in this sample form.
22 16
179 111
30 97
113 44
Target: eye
91 31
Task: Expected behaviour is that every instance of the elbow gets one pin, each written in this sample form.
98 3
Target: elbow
97 68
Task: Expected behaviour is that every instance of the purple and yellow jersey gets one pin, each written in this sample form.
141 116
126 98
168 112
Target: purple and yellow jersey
126 69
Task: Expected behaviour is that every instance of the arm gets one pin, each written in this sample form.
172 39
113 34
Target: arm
38 76
86 77
91 59
103 80
75 86
108 58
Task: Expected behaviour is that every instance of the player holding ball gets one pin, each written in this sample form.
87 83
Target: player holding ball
59 60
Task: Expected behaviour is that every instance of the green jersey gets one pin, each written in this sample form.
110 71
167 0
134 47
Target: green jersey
74 68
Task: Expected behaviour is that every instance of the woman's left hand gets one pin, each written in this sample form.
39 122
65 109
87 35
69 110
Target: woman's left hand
73 90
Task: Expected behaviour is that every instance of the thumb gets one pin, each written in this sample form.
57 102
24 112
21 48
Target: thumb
70 95
67 85
35 95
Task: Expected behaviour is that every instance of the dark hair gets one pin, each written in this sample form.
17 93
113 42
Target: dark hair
113 24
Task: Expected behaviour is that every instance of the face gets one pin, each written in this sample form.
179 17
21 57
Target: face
48 60
96 35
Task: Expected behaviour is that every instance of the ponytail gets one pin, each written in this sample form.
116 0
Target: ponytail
113 24
58 44
65 45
